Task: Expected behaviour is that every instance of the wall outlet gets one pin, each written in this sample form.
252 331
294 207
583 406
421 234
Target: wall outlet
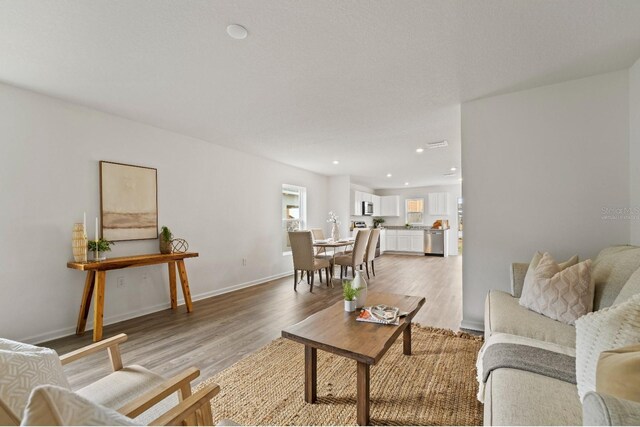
120 282
244 262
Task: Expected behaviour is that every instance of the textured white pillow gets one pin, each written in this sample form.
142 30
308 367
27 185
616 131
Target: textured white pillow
560 294
24 367
610 328
55 406
537 257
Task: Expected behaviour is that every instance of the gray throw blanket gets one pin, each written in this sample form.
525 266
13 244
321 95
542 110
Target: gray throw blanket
531 359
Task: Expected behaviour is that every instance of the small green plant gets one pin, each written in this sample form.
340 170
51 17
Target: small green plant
377 221
101 245
349 292
166 234
407 225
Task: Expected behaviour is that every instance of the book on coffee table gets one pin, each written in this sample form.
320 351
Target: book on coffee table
382 314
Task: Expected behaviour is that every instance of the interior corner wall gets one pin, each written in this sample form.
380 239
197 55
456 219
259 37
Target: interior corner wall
634 151
543 168
339 202
226 203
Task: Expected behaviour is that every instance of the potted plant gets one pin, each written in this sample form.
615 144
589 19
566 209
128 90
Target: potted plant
99 247
350 294
165 240
377 221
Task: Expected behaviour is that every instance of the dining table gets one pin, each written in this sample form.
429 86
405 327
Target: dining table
334 244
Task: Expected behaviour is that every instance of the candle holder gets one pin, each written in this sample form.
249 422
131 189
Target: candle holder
79 242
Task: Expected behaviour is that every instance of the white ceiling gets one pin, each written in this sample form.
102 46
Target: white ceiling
361 81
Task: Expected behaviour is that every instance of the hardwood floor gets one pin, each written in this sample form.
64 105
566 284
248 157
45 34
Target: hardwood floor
225 328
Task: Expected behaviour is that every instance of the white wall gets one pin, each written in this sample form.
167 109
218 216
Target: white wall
224 202
423 193
634 150
539 166
339 201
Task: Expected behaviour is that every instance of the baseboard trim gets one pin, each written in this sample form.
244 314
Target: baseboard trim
474 326
64 332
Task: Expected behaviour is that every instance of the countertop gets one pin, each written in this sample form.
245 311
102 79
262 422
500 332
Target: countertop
413 227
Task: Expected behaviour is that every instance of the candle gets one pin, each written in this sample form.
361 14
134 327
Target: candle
96 229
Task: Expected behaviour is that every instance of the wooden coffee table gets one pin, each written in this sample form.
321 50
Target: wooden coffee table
336 331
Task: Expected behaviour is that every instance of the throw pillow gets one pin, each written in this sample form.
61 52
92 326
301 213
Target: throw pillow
56 406
537 257
562 295
22 368
609 328
630 288
618 373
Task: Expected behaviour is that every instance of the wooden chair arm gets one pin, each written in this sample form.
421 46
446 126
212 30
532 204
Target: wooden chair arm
188 407
158 393
110 344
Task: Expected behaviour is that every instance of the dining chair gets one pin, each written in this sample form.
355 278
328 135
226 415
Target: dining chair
318 234
356 257
370 253
304 259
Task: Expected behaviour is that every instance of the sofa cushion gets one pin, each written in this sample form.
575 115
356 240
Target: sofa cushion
560 294
515 397
609 328
7 417
121 387
24 367
56 406
611 270
631 288
504 314
603 410
535 261
618 373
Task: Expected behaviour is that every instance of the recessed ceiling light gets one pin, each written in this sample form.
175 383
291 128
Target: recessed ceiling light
438 144
460 179
454 168
406 183
335 162
237 31
419 150
388 175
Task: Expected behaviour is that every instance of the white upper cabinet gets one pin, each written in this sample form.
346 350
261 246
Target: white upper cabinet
390 206
376 205
357 203
438 204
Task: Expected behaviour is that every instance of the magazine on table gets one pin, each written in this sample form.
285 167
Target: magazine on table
382 314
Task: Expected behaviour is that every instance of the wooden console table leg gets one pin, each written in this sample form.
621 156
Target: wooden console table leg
86 302
406 340
98 306
310 374
172 285
184 281
363 394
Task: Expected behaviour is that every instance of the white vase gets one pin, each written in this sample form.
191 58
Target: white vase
350 306
360 282
335 232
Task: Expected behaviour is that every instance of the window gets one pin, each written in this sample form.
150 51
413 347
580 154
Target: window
414 211
294 213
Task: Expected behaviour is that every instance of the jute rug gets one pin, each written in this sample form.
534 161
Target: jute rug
436 385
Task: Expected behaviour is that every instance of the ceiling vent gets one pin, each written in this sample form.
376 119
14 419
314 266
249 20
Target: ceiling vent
438 144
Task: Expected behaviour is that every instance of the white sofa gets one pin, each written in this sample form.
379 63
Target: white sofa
516 397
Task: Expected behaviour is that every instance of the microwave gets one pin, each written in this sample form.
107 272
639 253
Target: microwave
367 208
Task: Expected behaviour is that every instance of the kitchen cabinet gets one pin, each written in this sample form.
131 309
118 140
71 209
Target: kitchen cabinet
383 241
357 203
390 206
376 205
391 240
404 240
438 204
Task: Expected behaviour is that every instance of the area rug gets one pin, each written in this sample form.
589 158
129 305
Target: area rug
436 385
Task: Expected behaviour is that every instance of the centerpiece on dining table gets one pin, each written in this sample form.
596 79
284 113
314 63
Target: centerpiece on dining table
335 228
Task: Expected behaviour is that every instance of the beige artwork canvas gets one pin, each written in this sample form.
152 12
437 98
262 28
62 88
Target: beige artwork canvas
129 202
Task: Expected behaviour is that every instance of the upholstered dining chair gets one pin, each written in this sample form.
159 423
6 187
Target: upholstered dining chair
356 256
318 234
142 396
305 260
370 253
